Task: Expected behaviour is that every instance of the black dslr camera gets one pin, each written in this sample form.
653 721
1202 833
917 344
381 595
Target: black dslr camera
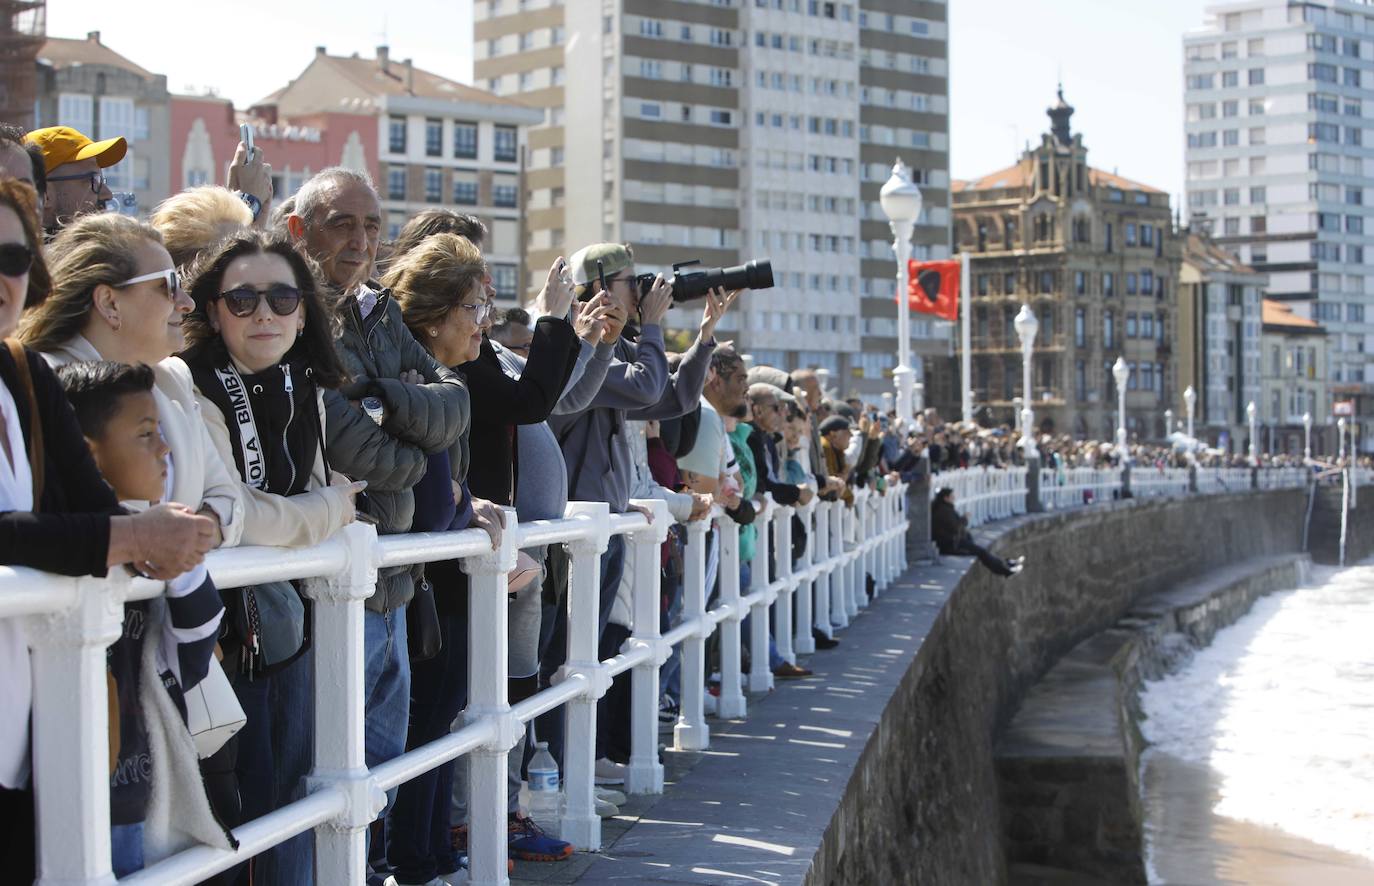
696 281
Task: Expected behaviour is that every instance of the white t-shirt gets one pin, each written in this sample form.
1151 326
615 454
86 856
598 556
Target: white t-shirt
16 681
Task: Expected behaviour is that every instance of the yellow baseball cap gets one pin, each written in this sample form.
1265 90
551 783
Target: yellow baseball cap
62 144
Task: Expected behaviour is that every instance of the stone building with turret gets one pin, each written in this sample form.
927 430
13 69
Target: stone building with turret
1096 257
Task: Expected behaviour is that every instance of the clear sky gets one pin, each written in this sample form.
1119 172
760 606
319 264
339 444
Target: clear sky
1120 60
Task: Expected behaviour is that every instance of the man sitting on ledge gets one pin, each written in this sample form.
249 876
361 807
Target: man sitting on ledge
950 531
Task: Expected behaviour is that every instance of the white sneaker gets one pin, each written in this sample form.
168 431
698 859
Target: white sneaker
437 881
604 808
609 772
611 796
710 705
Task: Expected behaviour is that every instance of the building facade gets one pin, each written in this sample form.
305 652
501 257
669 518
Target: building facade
1096 257
733 130
86 85
437 142
1278 163
1219 335
1293 351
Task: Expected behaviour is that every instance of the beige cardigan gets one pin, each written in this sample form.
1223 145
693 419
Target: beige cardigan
284 521
199 474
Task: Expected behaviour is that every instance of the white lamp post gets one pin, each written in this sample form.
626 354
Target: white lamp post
1026 328
747 360
1122 373
1190 400
1307 436
1168 422
1340 437
1252 413
823 376
887 401
901 202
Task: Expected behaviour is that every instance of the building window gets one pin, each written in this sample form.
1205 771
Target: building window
1108 329
465 141
503 279
465 191
1108 284
434 185
396 135
1257 76
396 183
434 138
1080 329
1080 283
503 146
504 194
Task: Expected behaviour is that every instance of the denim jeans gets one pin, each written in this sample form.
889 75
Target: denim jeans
126 848
386 689
417 831
274 757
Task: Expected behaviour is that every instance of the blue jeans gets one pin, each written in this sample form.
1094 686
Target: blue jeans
274 757
418 846
386 689
126 848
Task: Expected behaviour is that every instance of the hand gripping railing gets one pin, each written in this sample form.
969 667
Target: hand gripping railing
70 622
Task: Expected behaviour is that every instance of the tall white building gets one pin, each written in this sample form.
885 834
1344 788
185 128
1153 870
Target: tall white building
1280 162
727 130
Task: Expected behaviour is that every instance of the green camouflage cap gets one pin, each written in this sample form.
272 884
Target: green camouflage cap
614 258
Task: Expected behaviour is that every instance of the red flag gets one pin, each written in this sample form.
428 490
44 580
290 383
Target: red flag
933 288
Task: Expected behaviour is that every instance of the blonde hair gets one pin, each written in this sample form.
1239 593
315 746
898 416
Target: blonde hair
432 278
95 249
197 218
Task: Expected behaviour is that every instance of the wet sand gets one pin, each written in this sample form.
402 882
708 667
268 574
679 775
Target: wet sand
1190 845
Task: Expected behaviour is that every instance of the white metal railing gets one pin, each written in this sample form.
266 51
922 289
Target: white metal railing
71 621
1150 480
1074 487
984 494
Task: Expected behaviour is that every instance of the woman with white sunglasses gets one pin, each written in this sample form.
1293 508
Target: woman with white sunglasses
117 296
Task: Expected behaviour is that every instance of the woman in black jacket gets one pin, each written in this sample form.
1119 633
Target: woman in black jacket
949 529
74 527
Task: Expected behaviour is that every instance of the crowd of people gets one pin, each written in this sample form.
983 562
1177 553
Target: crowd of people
234 372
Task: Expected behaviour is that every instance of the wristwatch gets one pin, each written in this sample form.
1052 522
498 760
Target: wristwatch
253 203
374 409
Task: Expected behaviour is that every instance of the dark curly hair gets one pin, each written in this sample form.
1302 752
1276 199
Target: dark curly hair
316 343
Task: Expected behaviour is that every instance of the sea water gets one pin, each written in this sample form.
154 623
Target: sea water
1260 767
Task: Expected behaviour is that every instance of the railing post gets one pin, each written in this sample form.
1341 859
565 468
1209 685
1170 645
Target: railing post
340 753
691 732
70 748
645 772
580 824
839 608
1125 480
1034 504
854 582
488 617
803 642
820 554
760 675
731 704
782 605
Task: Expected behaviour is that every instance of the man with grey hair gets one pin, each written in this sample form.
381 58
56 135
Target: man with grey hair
399 407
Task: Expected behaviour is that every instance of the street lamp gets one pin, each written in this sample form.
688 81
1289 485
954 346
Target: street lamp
1122 374
1026 327
1252 413
1340 437
1307 436
1168 423
901 202
1190 400
823 376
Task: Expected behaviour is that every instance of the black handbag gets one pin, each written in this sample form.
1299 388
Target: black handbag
422 623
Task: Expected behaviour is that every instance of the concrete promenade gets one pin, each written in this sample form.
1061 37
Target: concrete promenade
753 808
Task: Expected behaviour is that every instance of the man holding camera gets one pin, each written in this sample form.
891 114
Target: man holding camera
638 386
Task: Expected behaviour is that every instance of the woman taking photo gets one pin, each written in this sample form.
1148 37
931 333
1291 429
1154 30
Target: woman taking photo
56 512
260 352
117 296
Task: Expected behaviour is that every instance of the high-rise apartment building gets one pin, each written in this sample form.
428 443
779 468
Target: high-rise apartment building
736 129
1279 163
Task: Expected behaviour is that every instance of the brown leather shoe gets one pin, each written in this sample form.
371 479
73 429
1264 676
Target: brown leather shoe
789 671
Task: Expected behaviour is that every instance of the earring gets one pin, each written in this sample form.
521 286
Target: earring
434 333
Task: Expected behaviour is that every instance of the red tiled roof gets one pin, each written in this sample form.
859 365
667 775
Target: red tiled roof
1276 313
62 52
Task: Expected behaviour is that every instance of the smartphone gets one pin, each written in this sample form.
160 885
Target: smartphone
246 136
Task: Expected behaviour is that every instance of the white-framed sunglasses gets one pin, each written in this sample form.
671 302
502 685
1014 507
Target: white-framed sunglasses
169 276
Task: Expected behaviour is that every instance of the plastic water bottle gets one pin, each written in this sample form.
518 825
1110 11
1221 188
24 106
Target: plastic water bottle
546 801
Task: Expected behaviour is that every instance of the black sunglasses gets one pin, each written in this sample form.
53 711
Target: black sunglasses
15 259
243 301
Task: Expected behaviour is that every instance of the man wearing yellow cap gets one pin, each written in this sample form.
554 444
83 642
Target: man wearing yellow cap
76 184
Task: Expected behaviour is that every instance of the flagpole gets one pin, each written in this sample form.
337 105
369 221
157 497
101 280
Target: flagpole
965 337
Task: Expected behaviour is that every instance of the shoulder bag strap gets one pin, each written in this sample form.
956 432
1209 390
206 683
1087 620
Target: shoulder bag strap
21 363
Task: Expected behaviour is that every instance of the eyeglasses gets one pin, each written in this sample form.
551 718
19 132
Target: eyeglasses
168 276
481 312
96 178
243 301
15 259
